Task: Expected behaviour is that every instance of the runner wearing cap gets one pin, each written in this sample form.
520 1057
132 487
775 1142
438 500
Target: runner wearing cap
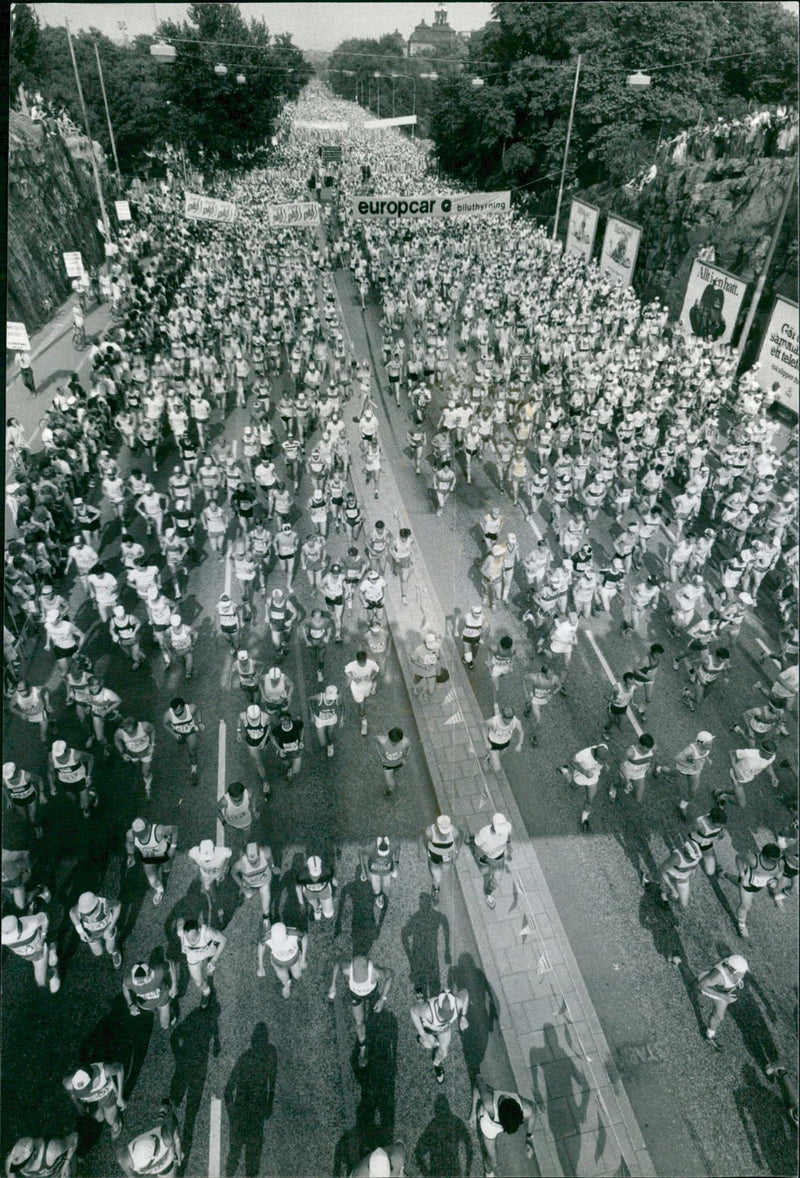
96 1091
153 985
315 886
372 591
135 742
495 1112
493 847
281 616
253 871
326 713
442 843
202 947
492 576
95 920
393 749
499 729
26 937
156 1151
379 861
25 791
62 637
434 1019
689 765
287 953
212 866
179 640
426 659
182 720
229 620
155 844
31 1157
71 771
382 1163
252 730
248 673
721 984
364 980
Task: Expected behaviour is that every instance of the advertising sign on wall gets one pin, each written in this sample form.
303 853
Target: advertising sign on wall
620 247
712 301
582 228
17 337
73 264
780 353
123 210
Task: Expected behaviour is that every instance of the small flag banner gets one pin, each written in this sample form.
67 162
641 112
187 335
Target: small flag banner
526 930
451 695
544 964
456 718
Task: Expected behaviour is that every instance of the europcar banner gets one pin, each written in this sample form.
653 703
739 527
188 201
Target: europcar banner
779 355
712 301
620 247
454 205
299 212
581 229
400 121
207 208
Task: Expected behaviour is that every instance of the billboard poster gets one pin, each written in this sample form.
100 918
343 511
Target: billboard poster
297 213
400 121
620 247
207 208
123 210
779 355
17 337
581 229
73 263
712 301
454 205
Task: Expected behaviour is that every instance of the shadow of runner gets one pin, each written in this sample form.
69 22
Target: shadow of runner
376 1108
118 1038
364 930
766 1125
438 1151
190 1043
555 1078
420 939
483 1011
249 1095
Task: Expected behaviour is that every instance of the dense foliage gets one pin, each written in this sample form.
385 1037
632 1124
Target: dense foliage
152 104
512 130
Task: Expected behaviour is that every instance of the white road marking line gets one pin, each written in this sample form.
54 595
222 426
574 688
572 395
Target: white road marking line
228 573
611 677
220 792
215 1139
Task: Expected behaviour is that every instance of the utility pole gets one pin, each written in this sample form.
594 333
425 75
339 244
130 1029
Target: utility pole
96 173
762 278
108 119
566 147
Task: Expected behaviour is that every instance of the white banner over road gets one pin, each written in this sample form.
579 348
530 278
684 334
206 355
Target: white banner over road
207 208
310 125
300 212
780 355
455 205
582 228
620 247
712 302
400 121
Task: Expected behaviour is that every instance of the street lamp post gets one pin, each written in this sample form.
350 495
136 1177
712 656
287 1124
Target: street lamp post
108 118
95 172
566 147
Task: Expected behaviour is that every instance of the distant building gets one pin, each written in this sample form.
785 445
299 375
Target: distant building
439 36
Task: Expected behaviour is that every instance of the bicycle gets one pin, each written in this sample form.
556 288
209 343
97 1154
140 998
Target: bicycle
79 340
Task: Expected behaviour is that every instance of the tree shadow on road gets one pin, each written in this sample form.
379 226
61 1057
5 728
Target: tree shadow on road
766 1125
483 1012
420 939
439 1149
249 1096
190 1042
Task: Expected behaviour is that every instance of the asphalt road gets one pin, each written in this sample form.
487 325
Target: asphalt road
700 1112
263 1085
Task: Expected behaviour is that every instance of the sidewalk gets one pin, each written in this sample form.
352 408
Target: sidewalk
551 1033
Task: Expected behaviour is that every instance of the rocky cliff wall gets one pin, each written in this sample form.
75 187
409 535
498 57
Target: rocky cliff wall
732 204
52 208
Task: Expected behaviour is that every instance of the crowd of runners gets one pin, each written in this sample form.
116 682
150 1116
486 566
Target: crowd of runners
500 354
